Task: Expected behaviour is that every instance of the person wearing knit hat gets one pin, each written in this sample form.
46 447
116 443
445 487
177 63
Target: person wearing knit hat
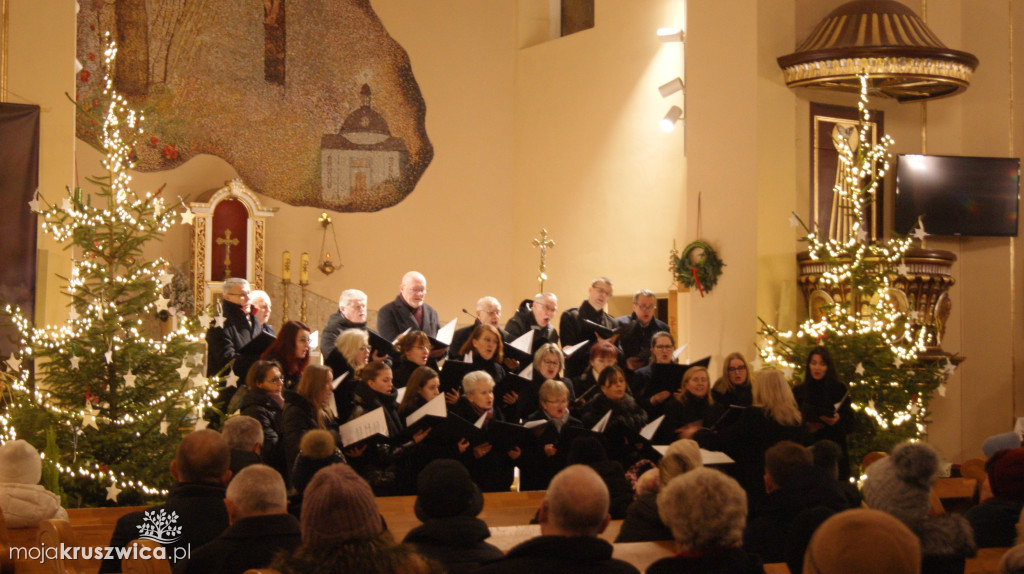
839 544
642 523
900 485
995 519
24 501
342 529
448 502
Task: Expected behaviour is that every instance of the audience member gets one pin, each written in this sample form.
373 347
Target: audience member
900 484
408 310
642 522
795 487
263 401
261 527
351 314
342 530
588 450
1012 561
863 541
200 467
994 519
317 450
827 455
706 511
447 503
573 514
244 436
305 409
25 502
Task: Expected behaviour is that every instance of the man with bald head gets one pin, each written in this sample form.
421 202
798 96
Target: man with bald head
537 315
408 310
573 514
201 469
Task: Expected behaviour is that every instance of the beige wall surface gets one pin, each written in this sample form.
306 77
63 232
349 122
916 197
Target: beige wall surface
562 134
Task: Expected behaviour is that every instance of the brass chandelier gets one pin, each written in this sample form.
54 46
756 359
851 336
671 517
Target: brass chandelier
885 40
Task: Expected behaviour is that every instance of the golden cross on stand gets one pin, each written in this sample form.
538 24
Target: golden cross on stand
544 243
227 242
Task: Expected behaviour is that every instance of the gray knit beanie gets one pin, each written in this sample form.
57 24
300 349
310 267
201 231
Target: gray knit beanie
338 506
900 484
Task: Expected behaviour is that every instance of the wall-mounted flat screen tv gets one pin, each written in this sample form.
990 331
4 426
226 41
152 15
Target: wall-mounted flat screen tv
968 196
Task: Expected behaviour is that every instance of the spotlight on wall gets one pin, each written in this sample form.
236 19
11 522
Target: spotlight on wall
671 35
670 88
668 123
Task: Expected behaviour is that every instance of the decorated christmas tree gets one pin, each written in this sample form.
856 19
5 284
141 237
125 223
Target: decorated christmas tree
868 325
110 391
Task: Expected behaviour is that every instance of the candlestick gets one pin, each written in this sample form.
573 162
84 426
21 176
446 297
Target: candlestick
286 266
304 269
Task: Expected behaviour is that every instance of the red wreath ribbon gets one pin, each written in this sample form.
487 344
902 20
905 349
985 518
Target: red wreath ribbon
696 280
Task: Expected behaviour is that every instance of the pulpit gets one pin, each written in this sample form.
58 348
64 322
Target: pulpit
228 240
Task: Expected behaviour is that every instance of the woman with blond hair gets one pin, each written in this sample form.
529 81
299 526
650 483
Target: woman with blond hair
733 387
305 409
772 417
691 405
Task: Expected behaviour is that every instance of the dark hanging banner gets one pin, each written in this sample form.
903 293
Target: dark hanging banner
19 178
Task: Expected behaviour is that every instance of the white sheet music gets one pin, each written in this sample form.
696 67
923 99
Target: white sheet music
399 395
715 457
364 427
395 342
524 342
314 341
652 427
569 351
480 421
534 424
336 382
445 334
434 407
601 424
679 351
527 373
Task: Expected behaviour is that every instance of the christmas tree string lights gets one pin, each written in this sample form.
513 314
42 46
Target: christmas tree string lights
106 379
873 338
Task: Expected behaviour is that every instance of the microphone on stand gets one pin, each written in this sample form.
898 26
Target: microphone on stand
468 313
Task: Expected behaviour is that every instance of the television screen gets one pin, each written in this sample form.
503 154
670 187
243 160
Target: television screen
969 196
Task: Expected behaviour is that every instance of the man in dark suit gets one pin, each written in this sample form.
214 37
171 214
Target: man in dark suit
194 506
573 324
642 325
351 314
536 315
238 328
408 310
257 504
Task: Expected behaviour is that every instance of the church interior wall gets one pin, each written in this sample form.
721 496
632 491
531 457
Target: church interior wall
562 134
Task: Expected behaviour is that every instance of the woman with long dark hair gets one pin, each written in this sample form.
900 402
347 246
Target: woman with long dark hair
825 404
305 409
263 402
291 351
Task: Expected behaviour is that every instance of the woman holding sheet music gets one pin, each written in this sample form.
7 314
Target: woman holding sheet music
654 384
548 363
485 352
773 417
491 469
353 353
825 403
625 420
694 405
381 462
544 458
602 355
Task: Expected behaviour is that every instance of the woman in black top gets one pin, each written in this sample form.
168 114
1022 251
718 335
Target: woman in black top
733 387
586 386
818 396
413 350
485 351
263 402
692 406
650 381
626 420
491 470
545 457
305 409
548 363
352 352
291 351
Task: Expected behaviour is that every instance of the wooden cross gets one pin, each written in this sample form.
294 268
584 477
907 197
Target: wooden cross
544 243
227 242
